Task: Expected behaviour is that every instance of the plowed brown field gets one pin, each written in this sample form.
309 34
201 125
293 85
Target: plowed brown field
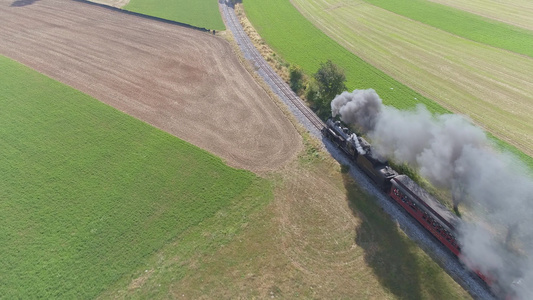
183 81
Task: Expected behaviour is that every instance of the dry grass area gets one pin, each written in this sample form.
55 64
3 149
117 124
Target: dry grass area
276 62
490 85
515 12
321 237
183 81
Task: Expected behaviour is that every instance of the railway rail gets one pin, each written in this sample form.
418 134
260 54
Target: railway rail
310 120
260 63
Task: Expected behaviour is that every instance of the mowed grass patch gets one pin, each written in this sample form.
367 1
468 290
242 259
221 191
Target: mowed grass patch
88 194
514 12
299 42
490 85
464 24
199 13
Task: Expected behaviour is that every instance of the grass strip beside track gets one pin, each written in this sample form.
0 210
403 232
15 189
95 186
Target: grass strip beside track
200 13
464 24
299 42
90 193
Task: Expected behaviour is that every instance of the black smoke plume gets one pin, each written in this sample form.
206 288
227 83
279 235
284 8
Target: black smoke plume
452 153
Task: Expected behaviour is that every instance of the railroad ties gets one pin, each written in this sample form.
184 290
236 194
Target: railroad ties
273 76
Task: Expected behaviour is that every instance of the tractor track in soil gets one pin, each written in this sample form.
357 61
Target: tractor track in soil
183 81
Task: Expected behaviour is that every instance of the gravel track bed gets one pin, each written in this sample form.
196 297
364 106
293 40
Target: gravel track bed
414 231
251 54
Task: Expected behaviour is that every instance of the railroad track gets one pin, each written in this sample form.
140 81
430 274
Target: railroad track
263 65
468 281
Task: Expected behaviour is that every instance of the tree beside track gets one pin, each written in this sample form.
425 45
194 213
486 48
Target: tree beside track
299 42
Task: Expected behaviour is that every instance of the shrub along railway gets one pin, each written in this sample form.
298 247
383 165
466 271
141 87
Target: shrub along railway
300 43
488 84
263 65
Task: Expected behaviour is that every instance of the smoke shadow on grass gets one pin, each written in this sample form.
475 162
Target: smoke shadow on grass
388 252
19 3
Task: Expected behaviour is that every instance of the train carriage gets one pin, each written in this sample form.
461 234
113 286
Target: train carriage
426 210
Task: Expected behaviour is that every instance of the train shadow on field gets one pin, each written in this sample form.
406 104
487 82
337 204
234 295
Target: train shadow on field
388 251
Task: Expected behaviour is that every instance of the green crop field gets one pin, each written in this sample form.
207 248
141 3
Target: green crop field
89 194
321 237
96 204
299 42
461 23
200 13
514 12
490 85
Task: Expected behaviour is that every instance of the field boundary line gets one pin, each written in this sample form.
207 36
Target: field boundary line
132 13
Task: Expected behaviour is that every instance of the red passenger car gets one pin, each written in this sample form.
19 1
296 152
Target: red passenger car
426 210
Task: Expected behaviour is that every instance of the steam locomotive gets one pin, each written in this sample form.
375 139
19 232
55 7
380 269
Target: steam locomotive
432 215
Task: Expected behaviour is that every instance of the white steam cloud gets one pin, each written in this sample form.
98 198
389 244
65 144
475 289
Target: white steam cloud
454 154
353 138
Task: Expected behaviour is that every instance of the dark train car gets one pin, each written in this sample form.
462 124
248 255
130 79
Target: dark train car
426 210
360 152
380 172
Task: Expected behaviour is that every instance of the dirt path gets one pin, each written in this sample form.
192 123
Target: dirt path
183 81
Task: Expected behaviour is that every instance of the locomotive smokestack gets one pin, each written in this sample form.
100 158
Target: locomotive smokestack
454 154
360 150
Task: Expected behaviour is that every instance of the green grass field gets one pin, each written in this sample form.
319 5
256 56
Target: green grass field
490 85
514 12
200 13
89 194
299 42
461 23
96 204
321 237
